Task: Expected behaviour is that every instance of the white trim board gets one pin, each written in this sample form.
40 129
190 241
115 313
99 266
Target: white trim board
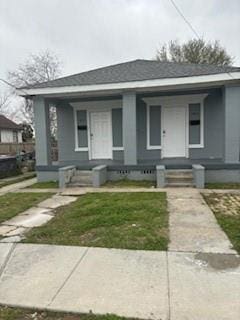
214 78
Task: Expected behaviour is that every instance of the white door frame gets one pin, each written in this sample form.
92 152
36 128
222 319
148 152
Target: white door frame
186 155
179 100
110 133
93 106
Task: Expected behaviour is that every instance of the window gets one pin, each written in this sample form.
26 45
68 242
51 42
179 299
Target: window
153 127
15 136
117 129
81 130
195 125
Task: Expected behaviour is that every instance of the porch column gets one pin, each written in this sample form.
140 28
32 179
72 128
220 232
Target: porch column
129 128
232 124
42 132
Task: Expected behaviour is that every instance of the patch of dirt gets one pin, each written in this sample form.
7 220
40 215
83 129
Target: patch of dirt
219 261
227 204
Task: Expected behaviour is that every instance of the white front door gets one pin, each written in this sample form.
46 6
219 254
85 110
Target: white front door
174 131
101 135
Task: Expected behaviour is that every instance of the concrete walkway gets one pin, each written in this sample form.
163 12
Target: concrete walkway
193 226
198 278
13 230
141 284
16 186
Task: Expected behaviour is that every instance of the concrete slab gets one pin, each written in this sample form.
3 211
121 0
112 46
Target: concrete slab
13 239
18 231
15 186
29 221
4 251
193 226
35 273
187 193
6 229
124 282
199 239
56 201
204 286
35 210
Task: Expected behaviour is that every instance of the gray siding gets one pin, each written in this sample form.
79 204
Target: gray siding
66 137
143 153
117 127
213 133
213 128
232 124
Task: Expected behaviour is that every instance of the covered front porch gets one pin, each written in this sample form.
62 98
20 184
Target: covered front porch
138 131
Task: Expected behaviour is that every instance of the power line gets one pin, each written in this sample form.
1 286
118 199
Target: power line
192 28
185 19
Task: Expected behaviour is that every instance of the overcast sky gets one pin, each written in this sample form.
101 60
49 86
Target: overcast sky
91 33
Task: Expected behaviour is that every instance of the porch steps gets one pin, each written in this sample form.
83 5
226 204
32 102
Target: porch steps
179 178
82 178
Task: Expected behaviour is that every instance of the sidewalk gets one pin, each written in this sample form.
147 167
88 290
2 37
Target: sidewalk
141 284
198 278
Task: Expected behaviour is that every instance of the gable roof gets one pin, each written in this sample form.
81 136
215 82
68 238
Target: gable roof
137 70
6 123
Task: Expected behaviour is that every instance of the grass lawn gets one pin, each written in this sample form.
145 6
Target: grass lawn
7 313
227 211
12 204
112 220
125 183
44 185
222 185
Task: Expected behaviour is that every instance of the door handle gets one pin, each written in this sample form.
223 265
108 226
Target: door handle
164 132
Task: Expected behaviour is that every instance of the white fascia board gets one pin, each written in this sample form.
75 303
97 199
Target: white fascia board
132 84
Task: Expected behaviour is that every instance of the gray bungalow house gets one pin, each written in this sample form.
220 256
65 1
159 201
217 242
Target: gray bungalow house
141 120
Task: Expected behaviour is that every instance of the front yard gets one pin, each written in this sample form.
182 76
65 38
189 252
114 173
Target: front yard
12 204
111 220
226 208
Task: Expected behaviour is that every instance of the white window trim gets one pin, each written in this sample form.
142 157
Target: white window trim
149 146
201 144
117 148
93 106
165 101
77 148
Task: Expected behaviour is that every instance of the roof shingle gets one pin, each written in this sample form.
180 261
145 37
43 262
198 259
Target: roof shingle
6 123
137 70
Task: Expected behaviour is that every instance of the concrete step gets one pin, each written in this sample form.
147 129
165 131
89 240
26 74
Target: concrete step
82 179
179 185
177 178
83 173
78 185
179 173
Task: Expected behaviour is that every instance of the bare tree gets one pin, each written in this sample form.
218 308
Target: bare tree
4 102
37 68
195 51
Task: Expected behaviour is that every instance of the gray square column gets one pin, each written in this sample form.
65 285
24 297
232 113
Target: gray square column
42 132
232 124
129 128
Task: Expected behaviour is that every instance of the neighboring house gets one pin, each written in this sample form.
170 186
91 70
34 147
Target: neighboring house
136 115
10 132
